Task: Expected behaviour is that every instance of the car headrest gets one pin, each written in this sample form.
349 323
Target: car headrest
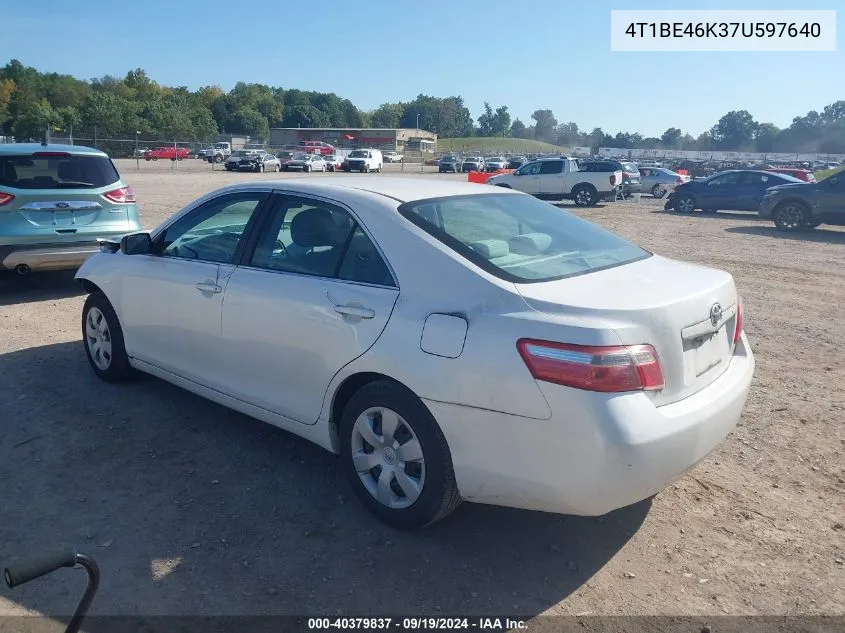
490 249
69 170
316 227
530 243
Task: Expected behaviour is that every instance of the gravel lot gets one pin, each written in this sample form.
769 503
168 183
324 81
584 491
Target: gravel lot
193 509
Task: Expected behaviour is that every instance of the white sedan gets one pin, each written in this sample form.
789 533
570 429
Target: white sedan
448 340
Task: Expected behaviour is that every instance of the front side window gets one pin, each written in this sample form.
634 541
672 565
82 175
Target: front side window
520 238
212 231
724 180
318 238
548 167
531 169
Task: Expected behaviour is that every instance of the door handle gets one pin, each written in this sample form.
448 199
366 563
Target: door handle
356 311
208 286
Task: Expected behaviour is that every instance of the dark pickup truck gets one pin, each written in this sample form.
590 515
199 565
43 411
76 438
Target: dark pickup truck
795 207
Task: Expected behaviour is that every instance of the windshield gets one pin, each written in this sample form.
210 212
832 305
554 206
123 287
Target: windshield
630 168
240 152
358 153
57 172
520 238
300 156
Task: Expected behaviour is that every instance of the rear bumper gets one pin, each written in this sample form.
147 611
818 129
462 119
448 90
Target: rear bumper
598 452
43 257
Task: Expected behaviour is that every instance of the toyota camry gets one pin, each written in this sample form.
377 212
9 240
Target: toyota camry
449 341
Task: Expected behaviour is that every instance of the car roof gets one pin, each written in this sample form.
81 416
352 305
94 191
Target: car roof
31 148
397 188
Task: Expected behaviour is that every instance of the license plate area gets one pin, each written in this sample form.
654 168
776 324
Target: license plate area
63 218
704 353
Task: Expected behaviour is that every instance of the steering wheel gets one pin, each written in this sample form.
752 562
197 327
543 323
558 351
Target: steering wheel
281 246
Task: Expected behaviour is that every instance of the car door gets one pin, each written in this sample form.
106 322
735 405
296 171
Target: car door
830 197
527 178
646 178
170 302
313 294
720 191
751 187
550 181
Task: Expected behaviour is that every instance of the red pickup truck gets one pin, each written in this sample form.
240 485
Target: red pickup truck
173 153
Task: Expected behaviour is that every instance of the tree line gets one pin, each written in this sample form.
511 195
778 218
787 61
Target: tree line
112 107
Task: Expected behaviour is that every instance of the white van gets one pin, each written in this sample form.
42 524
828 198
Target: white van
363 160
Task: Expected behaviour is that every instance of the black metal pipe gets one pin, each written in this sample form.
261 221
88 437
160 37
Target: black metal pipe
93 571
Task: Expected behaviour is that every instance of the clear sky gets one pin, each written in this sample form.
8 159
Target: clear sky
551 54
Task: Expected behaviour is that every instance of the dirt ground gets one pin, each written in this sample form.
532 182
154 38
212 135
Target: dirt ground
193 509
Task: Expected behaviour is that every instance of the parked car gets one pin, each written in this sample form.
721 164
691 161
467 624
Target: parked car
317 147
495 163
232 163
630 173
164 153
658 180
516 162
259 162
218 152
631 183
472 163
797 206
449 163
392 157
140 151
736 190
333 162
592 374
363 160
801 174
561 179
55 201
305 162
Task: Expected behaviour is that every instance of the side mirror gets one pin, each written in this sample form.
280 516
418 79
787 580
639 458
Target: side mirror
136 244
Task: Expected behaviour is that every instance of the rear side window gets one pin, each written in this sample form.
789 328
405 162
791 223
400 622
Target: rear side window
57 172
519 238
551 167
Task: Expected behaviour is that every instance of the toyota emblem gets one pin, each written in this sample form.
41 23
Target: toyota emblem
715 314
63 205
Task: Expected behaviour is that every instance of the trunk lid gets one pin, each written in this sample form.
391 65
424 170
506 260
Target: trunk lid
660 302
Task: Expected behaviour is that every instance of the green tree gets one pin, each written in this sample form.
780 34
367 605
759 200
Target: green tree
735 130
501 123
518 129
34 120
485 121
544 125
671 138
7 89
387 115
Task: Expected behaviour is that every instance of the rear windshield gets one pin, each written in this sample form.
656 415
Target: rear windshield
519 238
57 172
630 167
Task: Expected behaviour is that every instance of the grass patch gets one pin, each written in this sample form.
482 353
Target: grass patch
493 144
824 173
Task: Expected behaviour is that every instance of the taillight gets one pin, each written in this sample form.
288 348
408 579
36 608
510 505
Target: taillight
5 198
738 326
606 368
124 195
612 180
50 154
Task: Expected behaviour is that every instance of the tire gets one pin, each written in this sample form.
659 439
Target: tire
657 192
585 195
154 158
685 204
260 168
103 344
218 158
306 168
790 216
432 470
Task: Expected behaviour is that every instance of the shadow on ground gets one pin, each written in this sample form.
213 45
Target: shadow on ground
830 236
194 509
721 215
35 287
